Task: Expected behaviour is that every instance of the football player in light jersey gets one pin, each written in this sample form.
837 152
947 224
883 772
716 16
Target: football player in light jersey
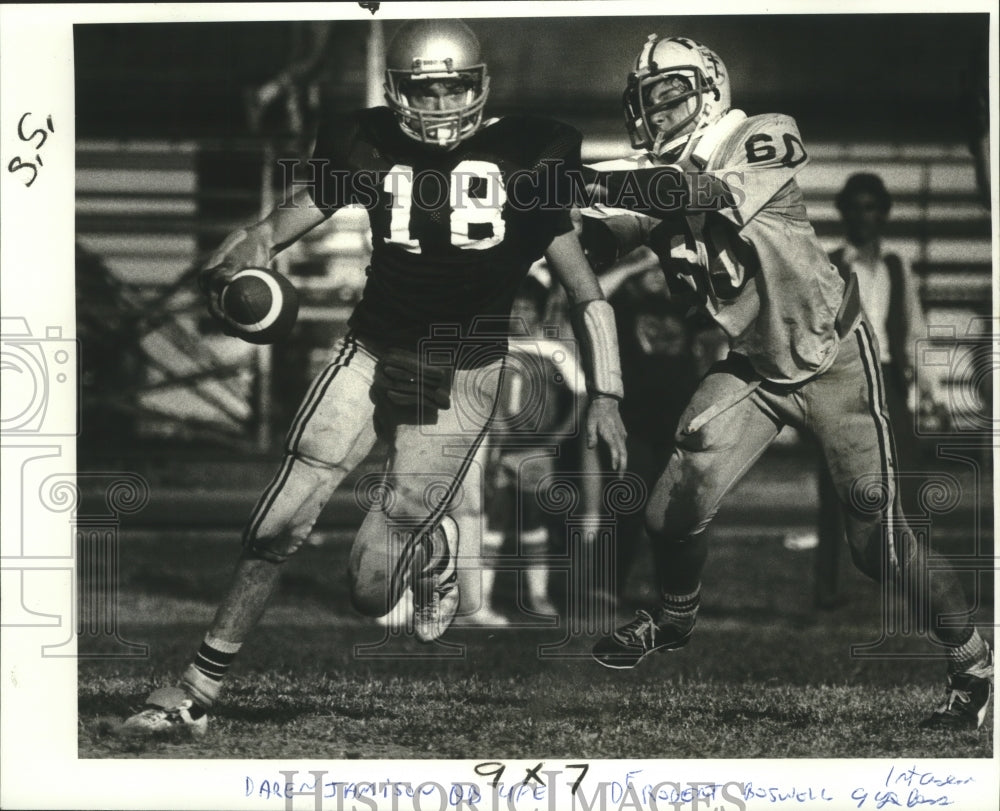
714 195
460 207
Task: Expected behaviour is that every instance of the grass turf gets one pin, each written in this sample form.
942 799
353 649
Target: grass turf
765 676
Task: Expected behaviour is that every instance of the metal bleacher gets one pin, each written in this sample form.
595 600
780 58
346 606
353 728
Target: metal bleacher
940 226
142 209
139 211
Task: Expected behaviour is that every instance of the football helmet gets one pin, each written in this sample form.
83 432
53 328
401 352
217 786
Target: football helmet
426 51
698 80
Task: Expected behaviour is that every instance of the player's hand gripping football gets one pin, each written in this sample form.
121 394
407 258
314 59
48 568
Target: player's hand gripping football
237 252
604 424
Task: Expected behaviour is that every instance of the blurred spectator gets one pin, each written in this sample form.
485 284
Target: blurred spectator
536 413
890 298
659 370
889 292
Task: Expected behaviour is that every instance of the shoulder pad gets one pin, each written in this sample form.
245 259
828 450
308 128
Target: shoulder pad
769 122
762 141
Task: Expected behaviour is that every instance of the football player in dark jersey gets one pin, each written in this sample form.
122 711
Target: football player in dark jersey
460 208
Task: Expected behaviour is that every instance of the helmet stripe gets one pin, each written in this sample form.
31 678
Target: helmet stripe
643 62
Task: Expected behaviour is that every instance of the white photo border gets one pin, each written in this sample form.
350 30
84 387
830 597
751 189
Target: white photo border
39 735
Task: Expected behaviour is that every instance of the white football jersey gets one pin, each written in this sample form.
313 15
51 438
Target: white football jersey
756 267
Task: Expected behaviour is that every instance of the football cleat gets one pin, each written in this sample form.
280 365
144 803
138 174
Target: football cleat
967 699
631 643
435 589
168 710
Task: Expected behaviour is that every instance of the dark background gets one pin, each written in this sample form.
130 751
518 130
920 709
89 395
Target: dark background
866 77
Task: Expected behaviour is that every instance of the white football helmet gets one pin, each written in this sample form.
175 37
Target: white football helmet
429 51
696 70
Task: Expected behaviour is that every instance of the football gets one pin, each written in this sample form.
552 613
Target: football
260 305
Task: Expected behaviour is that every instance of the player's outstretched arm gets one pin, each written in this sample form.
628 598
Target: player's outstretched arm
594 325
669 192
608 237
257 245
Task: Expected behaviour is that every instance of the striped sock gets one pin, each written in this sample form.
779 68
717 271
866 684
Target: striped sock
204 676
967 656
679 610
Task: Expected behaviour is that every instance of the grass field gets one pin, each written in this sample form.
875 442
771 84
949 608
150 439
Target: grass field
766 675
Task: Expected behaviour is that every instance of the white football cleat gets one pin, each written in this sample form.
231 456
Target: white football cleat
168 710
435 591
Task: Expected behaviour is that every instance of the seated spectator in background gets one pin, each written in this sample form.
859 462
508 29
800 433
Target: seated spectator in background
890 298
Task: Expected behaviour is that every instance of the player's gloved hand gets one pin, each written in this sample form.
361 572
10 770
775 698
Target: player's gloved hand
604 423
406 381
599 243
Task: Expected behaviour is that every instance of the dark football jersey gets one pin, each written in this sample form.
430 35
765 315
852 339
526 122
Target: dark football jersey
453 232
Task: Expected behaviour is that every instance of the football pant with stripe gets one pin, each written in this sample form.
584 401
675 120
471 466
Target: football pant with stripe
335 428
844 407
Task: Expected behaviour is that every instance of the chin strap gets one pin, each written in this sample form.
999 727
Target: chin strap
594 325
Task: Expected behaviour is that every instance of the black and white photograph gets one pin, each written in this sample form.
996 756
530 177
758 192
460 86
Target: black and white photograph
499 406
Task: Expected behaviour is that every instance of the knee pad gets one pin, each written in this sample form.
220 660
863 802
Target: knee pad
385 560
875 561
868 561
370 599
677 513
287 510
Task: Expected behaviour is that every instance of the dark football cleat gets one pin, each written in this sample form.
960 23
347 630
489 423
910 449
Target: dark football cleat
631 643
967 699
